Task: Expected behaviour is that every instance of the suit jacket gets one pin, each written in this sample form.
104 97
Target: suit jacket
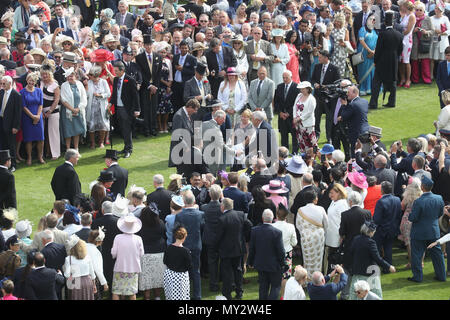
55 255
266 251
232 225
193 220
149 77
387 216
129 20
129 95
196 163
65 183
229 60
13 111
181 121
389 47
41 284
442 77
350 227
70 33
355 114
212 214
365 253
191 90
258 179
54 23
282 104
121 176
331 75
7 189
189 65
133 70
265 47
265 141
83 234
88 13
8 64
384 174
240 202
162 198
424 216
215 150
405 165
265 97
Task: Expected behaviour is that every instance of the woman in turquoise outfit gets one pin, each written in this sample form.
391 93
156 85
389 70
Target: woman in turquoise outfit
367 42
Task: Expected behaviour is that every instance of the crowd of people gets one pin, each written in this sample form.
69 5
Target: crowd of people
216 75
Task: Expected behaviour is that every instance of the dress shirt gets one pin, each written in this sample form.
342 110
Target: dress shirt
336 111
68 162
119 91
324 70
5 99
78 268
286 88
62 22
220 60
178 77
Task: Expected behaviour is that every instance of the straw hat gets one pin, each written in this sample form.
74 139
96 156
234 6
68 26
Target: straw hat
120 206
358 179
198 46
129 224
38 51
67 39
275 186
304 84
109 38
11 214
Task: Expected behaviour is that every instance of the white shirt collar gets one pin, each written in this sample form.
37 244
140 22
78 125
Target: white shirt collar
68 162
4 167
39 267
114 164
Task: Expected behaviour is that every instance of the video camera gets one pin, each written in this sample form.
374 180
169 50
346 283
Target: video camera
332 91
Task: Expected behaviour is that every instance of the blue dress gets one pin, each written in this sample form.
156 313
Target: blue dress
76 126
32 100
370 38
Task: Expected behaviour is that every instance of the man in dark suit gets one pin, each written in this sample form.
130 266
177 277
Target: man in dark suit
219 59
386 5
354 112
283 102
65 182
6 59
160 196
304 45
232 225
324 73
443 75
339 129
240 202
261 176
133 70
109 222
60 20
387 216
388 49
195 162
43 283
10 117
125 99
150 64
7 182
181 17
192 6
86 221
362 16
381 172
212 213
87 11
54 253
183 67
120 174
425 230
263 140
266 254
196 88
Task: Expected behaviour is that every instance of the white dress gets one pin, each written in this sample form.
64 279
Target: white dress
277 69
438 47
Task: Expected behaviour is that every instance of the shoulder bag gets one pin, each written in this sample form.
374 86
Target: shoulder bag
357 58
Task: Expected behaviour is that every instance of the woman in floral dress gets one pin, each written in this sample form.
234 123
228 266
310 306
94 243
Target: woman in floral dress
304 119
165 106
340 35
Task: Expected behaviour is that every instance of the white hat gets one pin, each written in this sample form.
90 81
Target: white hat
133 188
304 84
72 242
109 38
69 72
11 214
129 224
23 229
120 206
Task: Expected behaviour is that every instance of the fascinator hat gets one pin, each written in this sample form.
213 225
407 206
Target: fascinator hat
120 206
69 72
129 224
178 200
101 234
11 214
134 188
72 242
275 186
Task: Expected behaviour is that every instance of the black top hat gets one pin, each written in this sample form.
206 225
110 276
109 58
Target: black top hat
20 38
175 26
127 50
214 103
112 154
200 69
389 18
148 39
106 176
4 156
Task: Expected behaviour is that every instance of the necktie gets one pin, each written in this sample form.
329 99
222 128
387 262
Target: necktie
88 3
336 111
3 105
220 60
177 51
255 63
301 37
119 83
200 85
322 75
61 23
285 90
448 68
123 18
36 40
259 87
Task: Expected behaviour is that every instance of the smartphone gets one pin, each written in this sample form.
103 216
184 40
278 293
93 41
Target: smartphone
322 158
183 181
315 149
350 167
203 176
333 266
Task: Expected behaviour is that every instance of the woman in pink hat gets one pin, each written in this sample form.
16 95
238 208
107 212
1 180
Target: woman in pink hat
357 181
276 188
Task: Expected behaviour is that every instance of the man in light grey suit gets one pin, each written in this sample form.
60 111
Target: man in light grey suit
261 94
196 88
123 17
255 60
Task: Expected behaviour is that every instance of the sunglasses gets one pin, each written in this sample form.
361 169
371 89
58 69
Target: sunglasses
358 292
181 11
203 20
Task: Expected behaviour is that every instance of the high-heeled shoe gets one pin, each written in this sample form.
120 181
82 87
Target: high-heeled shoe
41 161
28 162
407 86
400 85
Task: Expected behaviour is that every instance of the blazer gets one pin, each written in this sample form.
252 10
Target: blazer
264 132
229 60
232 226
265 97
54 23
331 75
188 168
212 214
328 291
55 255
7 189
181 121
266 251
355 114
365 253
13 111
280 104
189 65
41 284
129 95
83 234
193 220
405 165
121 182
191 89
162 198
240 95
442 77
384 174
149 77
240 202
424 216
65 183
387 216
265 47
70 33
129 19
214 148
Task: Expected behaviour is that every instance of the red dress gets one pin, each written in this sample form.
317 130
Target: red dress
293 64
373 195
18 58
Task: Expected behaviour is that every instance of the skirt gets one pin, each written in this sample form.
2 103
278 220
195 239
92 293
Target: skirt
86 291
125 284
152 275
374 283
176 285
288 261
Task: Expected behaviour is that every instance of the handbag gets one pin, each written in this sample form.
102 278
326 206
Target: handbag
337 257
357 58
424 45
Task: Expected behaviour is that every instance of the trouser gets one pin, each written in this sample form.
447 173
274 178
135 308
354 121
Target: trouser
387 86
338 137
323 107
384 242
286 128
177 95
149 107
213 266
269 285
231 273
346 291
252 75
194 274
418 248
326 262
8 142
215 84
447 250
421 67
125 121
203 256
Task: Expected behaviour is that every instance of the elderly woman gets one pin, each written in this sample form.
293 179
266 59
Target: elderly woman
98 94
281 56
7 21
367 37
106 16
420 58
304 118
79 270
407 22
51 95
311 222
362 290
340 35
32 121
73 105
233 94
441 31
443 122
294 286
238 44
128 250
358 182
293 64
165 107
366 260
23 232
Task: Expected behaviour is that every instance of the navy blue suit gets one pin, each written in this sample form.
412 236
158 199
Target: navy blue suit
405 165
329 290
42 284
55 255
387 216
355 114
266 254
442 79
240 202
424 216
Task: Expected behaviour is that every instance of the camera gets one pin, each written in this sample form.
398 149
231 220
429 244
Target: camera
35 30
183 181
365 141
332 91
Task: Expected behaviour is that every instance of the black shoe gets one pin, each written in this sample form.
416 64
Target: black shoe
388 106
238 297
437 279
154 133
121 152
127 155
373 107
413 280
214 289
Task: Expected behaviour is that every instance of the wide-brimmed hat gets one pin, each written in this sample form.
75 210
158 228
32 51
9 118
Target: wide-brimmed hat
67 39
112 154
375 131
239 38
200 69
275 186
106 176
4 156
277 33
304 84
214 103
296 165
34 66
358 179
176 25
175 176
109 38
129 224
443 223
38 51
101 55
72 242
231 71
3 40
20 37
70 57
11 214
327 149
120 206
178 200
24 228
198 46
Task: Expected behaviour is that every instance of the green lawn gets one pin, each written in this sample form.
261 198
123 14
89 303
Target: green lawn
416 110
